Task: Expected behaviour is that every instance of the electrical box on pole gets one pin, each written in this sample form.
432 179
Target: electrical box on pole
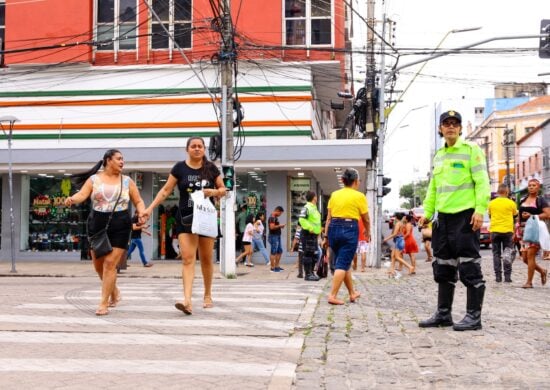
544 41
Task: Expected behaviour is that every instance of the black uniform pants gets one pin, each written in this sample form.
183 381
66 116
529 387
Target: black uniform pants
310 247
456 249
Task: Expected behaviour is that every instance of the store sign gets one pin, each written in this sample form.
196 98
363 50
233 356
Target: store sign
300 184
41 205
44 205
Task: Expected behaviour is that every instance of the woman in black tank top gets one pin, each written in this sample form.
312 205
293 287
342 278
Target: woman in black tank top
532 204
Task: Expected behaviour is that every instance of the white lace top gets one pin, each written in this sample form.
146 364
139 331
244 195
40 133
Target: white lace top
104 195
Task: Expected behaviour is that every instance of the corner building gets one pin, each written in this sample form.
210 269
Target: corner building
86 76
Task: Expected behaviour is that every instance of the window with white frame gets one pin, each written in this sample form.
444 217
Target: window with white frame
308 22
116 24
175 16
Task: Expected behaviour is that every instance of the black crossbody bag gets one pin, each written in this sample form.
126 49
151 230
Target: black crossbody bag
100 241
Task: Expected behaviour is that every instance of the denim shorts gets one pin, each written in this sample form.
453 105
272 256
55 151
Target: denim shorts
343 236
275 242
399 243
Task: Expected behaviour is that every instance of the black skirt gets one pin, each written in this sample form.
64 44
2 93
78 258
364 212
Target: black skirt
119 229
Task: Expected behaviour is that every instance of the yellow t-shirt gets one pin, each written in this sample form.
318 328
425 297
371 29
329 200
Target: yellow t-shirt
347 203
502 211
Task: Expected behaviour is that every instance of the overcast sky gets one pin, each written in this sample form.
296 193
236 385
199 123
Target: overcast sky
422 24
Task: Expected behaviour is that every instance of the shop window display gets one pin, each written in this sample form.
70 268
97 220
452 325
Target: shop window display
298 190
251 192
53 226
165 240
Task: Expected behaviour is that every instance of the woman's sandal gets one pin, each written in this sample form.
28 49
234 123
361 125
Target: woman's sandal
184 308
115 298
208 304
335 301
527 285
354 297
102 312
543 277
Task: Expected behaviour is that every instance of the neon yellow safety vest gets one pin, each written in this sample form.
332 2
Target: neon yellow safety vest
310 218
459 180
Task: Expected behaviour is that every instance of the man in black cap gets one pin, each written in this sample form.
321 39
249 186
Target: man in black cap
456 200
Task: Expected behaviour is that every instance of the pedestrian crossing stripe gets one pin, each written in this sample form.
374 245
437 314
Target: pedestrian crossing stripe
125 366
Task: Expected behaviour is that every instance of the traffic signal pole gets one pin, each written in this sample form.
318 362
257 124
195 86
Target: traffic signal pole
227 204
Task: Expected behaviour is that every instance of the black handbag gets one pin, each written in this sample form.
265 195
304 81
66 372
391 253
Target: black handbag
100 241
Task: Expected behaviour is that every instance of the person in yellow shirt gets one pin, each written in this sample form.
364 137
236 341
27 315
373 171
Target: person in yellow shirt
502 211
345 207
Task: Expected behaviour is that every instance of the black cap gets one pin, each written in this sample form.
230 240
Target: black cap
450 114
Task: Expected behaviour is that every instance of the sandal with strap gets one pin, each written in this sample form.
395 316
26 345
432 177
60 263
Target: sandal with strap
184 308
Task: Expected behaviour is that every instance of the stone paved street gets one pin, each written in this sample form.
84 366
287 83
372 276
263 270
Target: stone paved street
267 331
377 343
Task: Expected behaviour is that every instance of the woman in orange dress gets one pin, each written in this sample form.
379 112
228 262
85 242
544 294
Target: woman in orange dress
411 247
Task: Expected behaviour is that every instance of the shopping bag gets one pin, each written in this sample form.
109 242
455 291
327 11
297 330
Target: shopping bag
531 231
205 218
544 236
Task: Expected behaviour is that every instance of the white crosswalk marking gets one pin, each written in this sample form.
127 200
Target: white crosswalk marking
250 334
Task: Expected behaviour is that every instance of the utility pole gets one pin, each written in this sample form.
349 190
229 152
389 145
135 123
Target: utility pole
370 80
508 142
381 136
227 206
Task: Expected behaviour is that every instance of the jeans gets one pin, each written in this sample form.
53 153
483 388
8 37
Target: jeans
503 245
137 242
343 235
258 243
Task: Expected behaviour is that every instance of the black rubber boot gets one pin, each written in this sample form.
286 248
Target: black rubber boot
300 266
472 319
310 275
442 316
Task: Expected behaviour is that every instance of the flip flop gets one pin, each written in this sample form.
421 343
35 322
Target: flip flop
101 312
184 308
335 301
208 304
543 277
355 296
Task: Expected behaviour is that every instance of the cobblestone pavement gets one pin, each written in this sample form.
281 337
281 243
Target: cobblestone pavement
377 343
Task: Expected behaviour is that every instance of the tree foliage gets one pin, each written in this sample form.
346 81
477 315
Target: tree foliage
413 193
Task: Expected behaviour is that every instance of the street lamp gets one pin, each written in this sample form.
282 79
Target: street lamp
9 135
454 31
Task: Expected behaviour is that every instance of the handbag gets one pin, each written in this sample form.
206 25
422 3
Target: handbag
322 266
531 231
99 241
205 216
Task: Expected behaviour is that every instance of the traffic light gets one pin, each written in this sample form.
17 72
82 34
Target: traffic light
385 182
544 41
228 177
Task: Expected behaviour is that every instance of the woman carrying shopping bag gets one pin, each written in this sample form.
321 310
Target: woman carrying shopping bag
193 174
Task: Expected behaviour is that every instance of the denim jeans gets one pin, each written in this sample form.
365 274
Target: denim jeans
343 235
258 243
137 242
